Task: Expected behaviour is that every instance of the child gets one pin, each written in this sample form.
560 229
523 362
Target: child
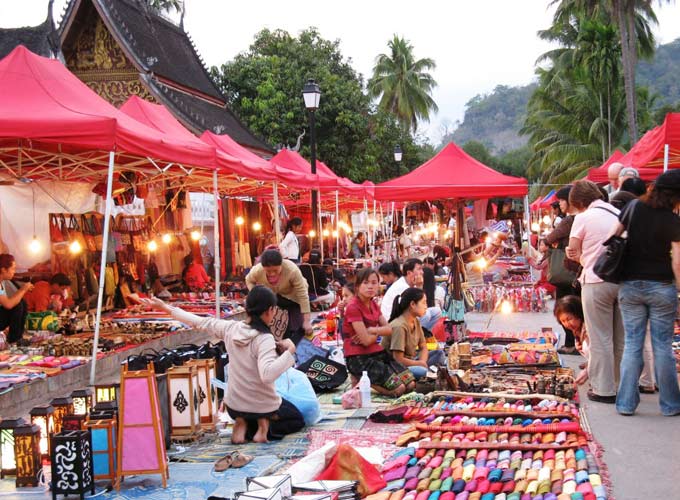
254 365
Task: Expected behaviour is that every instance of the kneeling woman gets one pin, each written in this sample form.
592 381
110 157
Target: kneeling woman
362 325
254 365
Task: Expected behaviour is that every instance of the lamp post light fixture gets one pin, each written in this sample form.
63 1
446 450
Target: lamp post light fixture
397 153
312 95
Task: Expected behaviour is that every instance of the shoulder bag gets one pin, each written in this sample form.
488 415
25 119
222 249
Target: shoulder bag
558 273
609 265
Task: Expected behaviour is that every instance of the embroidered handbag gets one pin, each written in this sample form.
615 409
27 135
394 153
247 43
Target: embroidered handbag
324 373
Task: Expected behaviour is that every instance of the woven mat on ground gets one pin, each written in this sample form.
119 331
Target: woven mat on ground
598 452
186 482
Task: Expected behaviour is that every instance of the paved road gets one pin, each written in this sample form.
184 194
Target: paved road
642 452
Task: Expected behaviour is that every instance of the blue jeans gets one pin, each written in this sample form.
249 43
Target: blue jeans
654 301
436 358
431 317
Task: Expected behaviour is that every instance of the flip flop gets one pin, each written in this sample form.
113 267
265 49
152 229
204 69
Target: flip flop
225 462
240 459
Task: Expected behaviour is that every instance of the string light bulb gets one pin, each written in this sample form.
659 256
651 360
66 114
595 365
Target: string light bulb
335 234
167 238
35 246
239 221
326 233
257 226
195 235
481 263
312 234
546 220
75 247
152 246
535 227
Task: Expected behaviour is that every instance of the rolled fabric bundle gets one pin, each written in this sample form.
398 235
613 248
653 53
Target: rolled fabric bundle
398 495
446 484
434 485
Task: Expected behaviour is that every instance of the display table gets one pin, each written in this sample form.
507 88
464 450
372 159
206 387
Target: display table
21 399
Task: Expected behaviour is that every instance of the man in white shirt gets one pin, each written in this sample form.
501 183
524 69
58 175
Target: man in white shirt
412 277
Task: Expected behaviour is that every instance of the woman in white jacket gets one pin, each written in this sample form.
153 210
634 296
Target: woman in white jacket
256 360
290 246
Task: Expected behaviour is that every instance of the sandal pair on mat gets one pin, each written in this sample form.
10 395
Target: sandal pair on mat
235 460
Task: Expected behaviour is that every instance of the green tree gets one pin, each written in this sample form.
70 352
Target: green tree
264 84
633 20
403 84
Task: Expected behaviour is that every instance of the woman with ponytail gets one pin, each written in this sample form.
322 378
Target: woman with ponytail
407 342
256 360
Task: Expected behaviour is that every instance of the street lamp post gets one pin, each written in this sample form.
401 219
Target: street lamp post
397 157
312 95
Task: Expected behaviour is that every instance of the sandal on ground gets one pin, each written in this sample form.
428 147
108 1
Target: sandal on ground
224 463
644 389
235 460
240 459
567 350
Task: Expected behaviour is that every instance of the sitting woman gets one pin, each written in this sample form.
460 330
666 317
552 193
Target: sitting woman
12 309
359 246
407 342
317 280
363 324
256 360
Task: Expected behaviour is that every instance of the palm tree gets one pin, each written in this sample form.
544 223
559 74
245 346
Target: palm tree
632 19
403 84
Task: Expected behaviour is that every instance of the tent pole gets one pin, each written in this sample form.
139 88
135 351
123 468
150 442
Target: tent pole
102 267
337 229
319 225
665 158
277 222
216 237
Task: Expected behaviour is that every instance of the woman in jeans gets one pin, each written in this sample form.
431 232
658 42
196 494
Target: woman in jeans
648 292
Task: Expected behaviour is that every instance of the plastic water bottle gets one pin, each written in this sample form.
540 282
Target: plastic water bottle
365 390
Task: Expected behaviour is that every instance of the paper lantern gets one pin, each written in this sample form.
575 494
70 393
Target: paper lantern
280 481
8 464
207 394
73 422
103 448
264 494
62 407
183 397
318 496
43 417
71 463
27 455
82 401
104 410
106 392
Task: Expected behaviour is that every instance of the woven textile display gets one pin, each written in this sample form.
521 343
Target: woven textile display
475 447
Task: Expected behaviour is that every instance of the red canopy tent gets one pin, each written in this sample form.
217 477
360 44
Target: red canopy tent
550 198
53 126
649 151
536 204
451 173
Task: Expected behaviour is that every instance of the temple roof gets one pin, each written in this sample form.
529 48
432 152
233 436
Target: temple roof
34 38
171 67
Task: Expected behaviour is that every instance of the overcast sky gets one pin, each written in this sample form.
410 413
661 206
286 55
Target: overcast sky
477 44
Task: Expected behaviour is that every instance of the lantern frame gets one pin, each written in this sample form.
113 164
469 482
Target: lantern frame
62 407
183 396
27 455
207 394
82 401
43 417
8 464
104 445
